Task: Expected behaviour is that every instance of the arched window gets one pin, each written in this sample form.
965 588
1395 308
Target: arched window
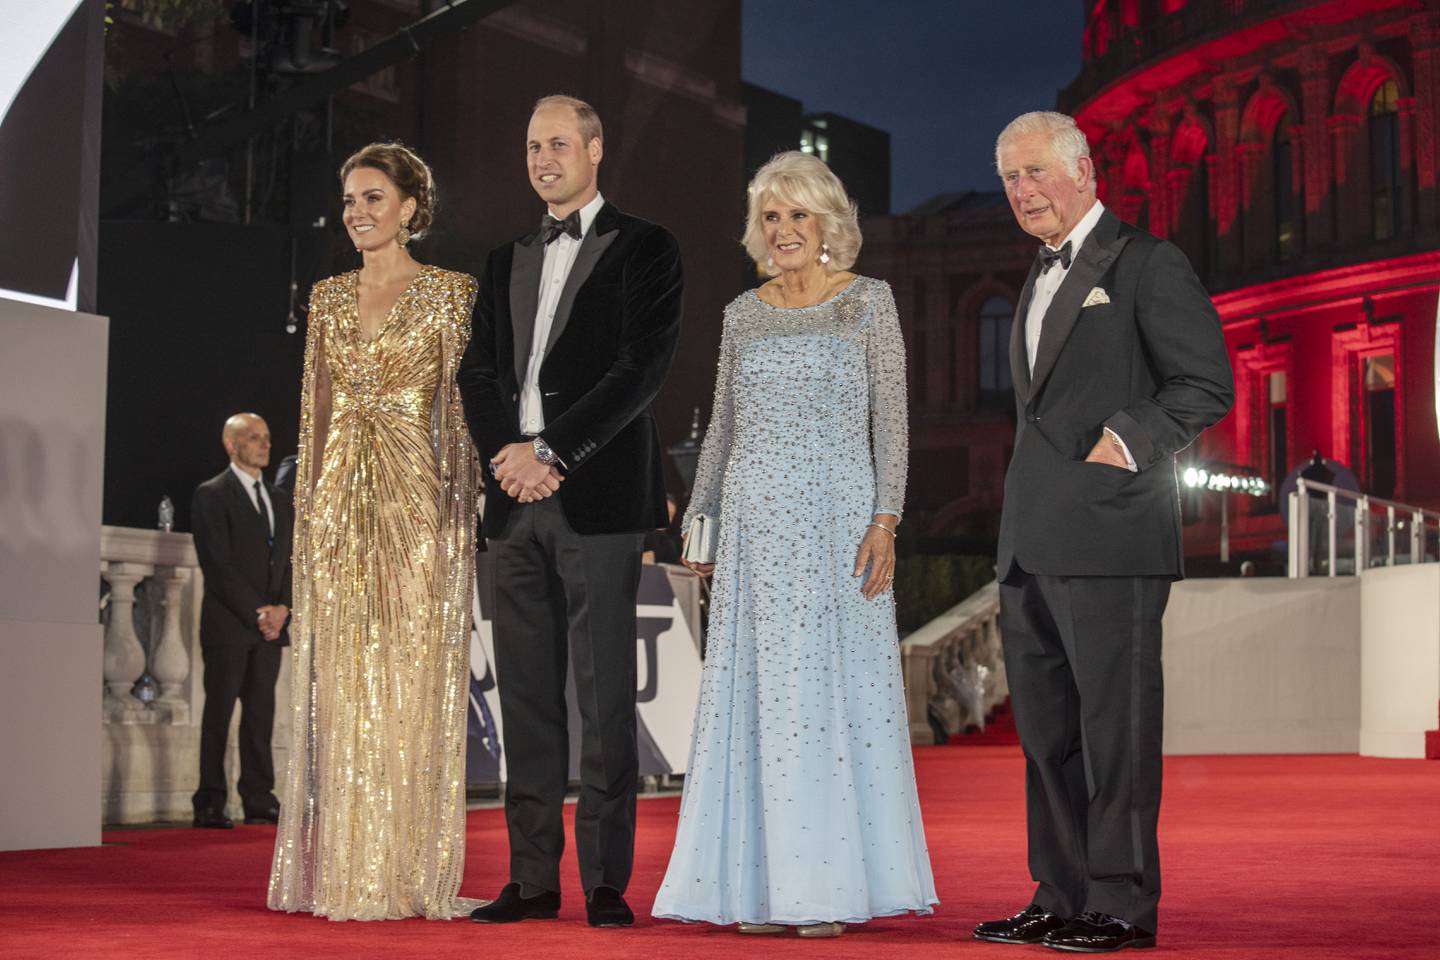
1385 160
1287 227
996 316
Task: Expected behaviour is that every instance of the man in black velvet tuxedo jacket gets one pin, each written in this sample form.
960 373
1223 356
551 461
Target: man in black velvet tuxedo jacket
575 327
242 528
1118 363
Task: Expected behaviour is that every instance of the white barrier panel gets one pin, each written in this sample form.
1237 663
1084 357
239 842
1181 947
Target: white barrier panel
1263 665
667 678
52 445
1400 658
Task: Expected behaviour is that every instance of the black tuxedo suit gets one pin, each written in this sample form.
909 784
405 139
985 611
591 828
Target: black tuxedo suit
243 571
609 348
1087 553
567 567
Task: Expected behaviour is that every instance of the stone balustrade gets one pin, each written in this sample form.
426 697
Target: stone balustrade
953 667
153 677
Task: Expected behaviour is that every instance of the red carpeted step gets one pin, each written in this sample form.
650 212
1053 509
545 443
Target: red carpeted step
1265 857
999 731
1432 743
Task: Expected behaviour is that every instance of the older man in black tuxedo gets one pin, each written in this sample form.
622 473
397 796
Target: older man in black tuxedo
575 327
242 531
1119 363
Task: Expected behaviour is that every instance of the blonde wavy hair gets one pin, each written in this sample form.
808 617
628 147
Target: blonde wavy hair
802 180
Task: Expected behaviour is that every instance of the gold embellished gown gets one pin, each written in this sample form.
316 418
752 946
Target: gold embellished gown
372 809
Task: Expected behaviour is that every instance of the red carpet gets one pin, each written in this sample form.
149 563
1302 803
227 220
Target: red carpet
999 731
1264 857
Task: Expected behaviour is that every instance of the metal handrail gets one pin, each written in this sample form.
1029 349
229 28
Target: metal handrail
1363 504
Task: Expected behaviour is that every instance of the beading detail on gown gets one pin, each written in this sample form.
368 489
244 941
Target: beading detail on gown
800 803
372 808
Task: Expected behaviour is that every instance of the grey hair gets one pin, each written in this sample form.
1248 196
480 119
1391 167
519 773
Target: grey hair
1065 136
805 181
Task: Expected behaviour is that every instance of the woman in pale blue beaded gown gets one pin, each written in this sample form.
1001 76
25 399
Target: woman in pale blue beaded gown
800 807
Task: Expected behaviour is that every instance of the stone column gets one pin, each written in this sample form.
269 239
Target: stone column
1225 175
170 660
1425 50
1319 180
1255 216
1352 208
124 659
1162 213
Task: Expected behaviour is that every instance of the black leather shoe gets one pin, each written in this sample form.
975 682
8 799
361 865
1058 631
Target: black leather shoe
510 907
213 819
1097 933
605 907
268 815
1028 926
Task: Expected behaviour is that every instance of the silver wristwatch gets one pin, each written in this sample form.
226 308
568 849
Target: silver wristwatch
543 453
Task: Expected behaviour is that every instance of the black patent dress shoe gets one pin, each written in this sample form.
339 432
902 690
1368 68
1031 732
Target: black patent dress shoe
510 907
1028 926
605 907
268 815
1097 933
213 819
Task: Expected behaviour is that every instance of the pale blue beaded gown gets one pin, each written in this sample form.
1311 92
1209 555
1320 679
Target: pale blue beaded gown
800 804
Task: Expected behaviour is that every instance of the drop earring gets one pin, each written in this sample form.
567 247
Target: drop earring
403 237
770 263
824 253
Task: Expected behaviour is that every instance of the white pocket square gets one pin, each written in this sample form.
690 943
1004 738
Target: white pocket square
1096 295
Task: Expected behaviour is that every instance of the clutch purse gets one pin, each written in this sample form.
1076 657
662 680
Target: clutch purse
700 539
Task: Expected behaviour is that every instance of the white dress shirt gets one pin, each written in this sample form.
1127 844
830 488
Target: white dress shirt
1046 286
248 482
1047 283
560 256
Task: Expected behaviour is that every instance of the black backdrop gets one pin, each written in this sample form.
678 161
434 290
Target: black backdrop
190 344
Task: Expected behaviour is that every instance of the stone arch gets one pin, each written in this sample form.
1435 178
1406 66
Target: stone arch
1267 106
1360 81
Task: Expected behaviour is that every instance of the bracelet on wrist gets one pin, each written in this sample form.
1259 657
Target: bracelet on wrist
880 526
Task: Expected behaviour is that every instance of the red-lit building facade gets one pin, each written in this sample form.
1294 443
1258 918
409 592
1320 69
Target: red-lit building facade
1290 148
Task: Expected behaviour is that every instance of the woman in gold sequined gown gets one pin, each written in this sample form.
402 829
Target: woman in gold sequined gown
372 815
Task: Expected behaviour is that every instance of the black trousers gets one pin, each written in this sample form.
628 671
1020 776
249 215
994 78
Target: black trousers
245 673
1082 655
563 599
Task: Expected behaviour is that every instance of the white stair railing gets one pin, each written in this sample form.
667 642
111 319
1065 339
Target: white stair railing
1378 532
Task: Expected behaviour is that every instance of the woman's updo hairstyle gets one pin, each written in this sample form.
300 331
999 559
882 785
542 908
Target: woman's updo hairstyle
410 174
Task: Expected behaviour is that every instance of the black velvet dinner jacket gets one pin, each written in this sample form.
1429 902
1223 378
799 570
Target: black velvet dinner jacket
243 570
1151 364
610 346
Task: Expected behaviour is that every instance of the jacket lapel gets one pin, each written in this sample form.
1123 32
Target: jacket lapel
1019 362
602 233
1094 258
240 497
526 265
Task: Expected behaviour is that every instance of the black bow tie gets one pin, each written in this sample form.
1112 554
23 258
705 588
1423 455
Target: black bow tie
550 228
1048 257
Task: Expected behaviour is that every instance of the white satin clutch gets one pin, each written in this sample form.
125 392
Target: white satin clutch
700 539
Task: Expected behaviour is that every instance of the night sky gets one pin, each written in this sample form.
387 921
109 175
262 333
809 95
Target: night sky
942 76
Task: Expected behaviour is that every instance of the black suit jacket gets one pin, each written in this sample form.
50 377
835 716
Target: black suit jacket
610 346
1152 365
242 570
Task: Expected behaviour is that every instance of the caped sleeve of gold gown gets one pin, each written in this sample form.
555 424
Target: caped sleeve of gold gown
372 814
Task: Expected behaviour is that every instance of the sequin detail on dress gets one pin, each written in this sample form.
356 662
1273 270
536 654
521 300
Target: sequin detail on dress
800 802
372 811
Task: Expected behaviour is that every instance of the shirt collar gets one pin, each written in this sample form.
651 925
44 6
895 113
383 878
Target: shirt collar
588 213
247 481
1078 235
